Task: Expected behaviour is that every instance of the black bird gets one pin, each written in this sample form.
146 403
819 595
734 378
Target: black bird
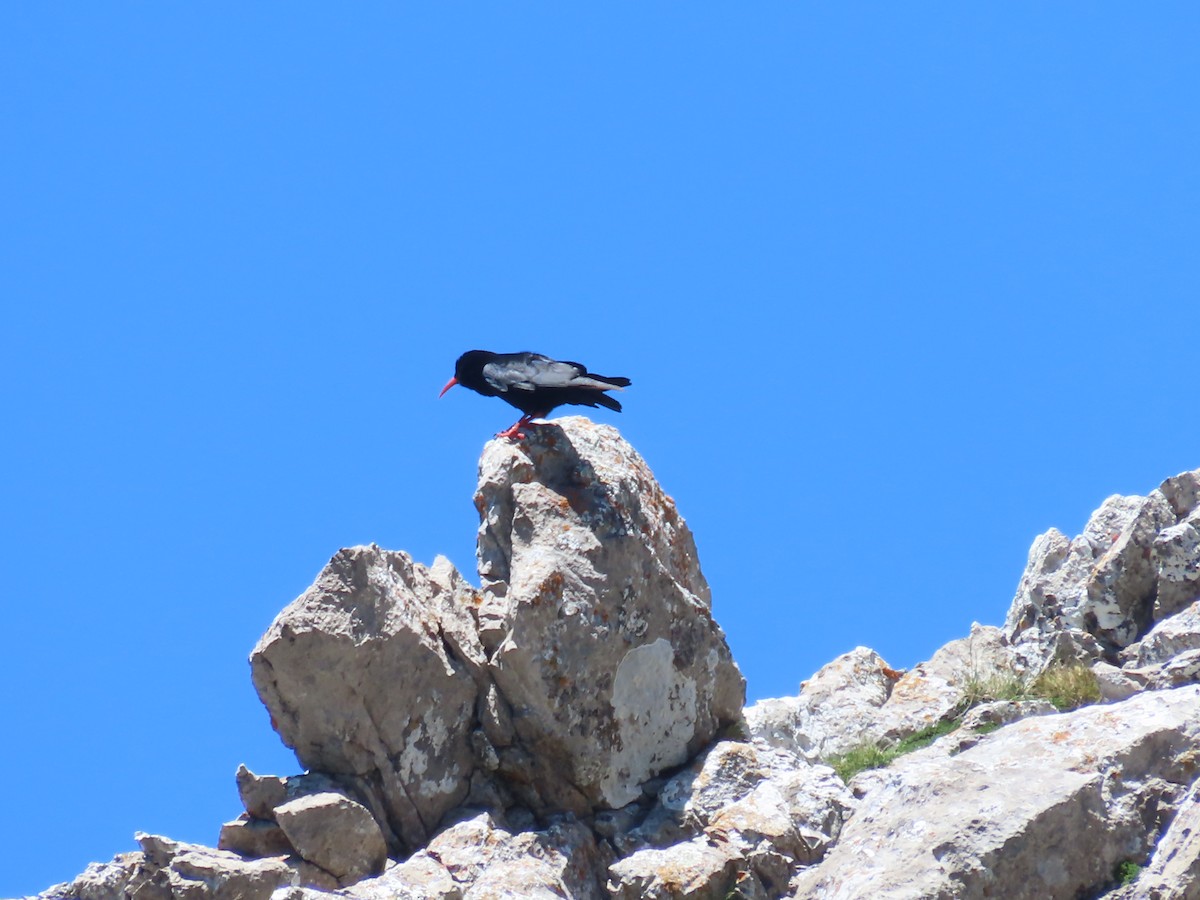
533 383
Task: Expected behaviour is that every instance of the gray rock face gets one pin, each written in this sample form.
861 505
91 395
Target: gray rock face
1173 872
334 833
696 869
610 660
255 838
557 732
857 698
589 663
744 817
166 869
831 713
1137 562
1045 808
478 858
363 683
1168 639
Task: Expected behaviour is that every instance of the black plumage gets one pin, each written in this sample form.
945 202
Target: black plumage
533 383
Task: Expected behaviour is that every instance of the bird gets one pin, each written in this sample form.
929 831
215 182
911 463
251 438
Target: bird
533 383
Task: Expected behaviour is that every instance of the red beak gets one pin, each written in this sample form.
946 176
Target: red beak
449 384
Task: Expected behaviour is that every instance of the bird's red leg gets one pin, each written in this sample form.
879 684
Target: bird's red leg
514 430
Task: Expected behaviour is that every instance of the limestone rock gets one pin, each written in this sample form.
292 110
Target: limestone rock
1179 670
334 833
935 690
1137 562
1177 559
607 653
260 794
101 881
696 870
858 699
255 838
173 870
832 712
1004 712
1173 872
770 812
420 877
364 684
589 663
478 859
1044 808
1166 640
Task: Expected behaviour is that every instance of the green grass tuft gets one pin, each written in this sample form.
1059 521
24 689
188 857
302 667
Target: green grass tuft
1127 873
997 686
1067 687
872 755
926 736
859 759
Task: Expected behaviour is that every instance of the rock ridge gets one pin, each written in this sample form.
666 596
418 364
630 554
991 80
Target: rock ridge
574 726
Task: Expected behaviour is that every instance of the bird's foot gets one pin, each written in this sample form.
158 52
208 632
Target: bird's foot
513 432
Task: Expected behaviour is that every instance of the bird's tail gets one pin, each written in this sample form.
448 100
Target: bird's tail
615 381
610 402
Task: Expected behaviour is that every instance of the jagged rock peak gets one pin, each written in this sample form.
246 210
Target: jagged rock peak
1136 563
558 731
588 663
596 615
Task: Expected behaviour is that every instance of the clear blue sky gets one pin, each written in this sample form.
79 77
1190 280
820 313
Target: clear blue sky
898 288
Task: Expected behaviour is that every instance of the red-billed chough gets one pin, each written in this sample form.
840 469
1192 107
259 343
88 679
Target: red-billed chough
533 383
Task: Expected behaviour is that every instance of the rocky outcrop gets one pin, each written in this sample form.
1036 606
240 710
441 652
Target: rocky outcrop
572 728
598 620
858 698
744 816
974 825
368 677
588 664
1136 563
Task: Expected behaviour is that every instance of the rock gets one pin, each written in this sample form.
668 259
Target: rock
1173 872
610 661
1166 640
589 663
101 881
1117 684
173 870
1004 712
938 689
1177 560
478 859
833 711
420 877
1137 562
1044 808
362 682
1182 669
334 833
769 811
753 793
858 699
260 794
696 870
1182 493
254 838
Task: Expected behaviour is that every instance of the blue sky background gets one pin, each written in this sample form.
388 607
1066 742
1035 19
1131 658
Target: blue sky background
898 288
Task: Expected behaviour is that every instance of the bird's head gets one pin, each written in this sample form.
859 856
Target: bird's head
469 368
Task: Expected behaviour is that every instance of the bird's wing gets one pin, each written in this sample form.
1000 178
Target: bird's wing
535 372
